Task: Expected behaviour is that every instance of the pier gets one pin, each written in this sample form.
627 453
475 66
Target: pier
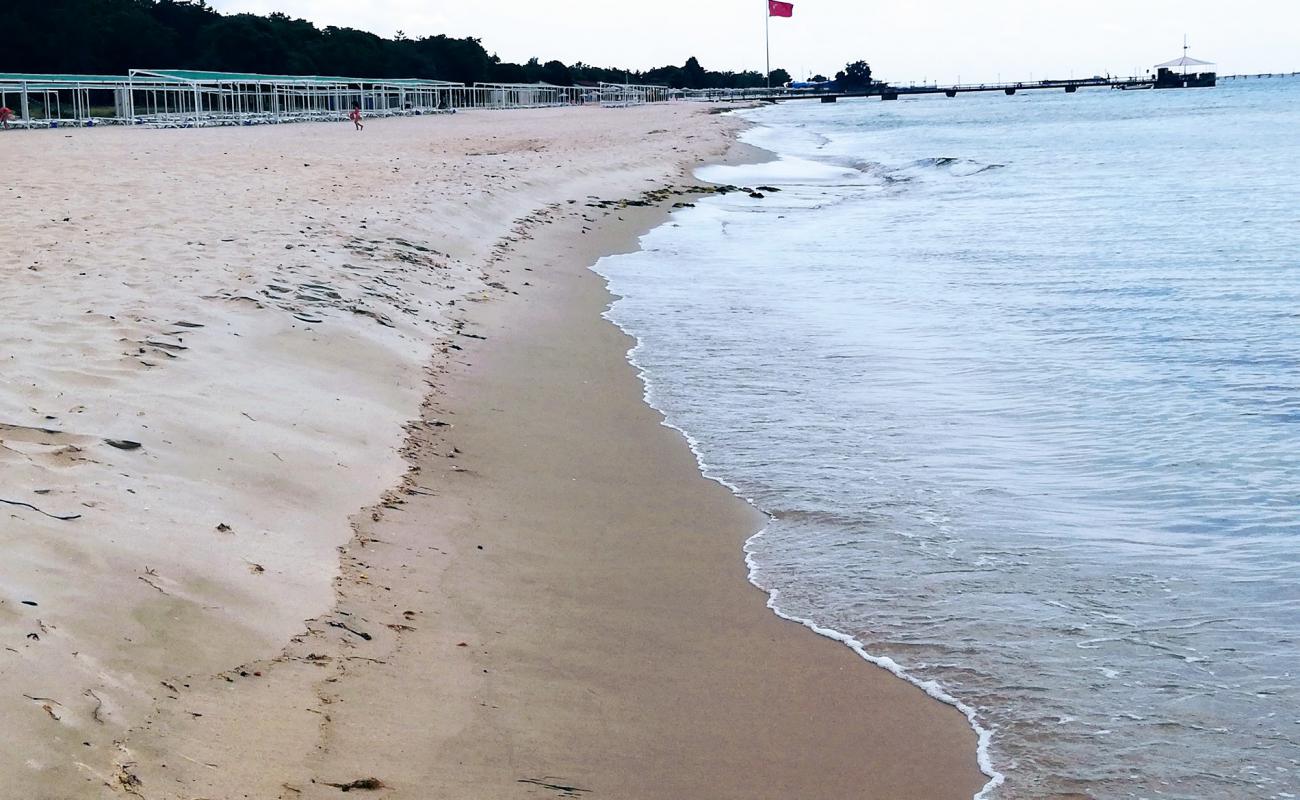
1260 76
891 92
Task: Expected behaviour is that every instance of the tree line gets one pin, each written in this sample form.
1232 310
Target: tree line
114 36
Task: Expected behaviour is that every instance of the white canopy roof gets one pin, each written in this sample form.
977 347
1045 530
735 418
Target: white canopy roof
1185 61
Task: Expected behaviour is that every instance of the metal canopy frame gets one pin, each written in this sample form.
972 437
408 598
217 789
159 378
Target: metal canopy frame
51 101
192 98
621 95
528 95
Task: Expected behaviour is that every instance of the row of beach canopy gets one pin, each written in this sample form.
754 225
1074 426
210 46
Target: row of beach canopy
189 98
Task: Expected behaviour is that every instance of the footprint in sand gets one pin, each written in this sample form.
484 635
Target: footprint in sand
53 447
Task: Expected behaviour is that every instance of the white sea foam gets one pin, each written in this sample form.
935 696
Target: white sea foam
930 687
784 170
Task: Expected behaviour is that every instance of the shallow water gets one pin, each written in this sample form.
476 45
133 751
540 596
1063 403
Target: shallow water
1018 379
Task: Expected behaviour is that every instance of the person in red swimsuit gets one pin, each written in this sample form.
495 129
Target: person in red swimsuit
6 114
355 116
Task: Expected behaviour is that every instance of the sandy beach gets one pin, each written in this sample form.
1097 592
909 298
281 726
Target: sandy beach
323 473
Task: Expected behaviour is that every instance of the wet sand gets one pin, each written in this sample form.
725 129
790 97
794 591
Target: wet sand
622 650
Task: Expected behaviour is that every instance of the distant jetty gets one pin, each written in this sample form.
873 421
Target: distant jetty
1173 74
1259 76
1164 79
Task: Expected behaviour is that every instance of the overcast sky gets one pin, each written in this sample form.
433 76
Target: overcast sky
919 39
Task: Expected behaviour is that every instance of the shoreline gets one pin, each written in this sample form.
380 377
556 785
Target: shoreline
836 746
743 152
994 777
446 663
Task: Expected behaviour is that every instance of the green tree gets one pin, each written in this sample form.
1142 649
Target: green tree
854 77
665 76
460 60
350 52
114 36
508 73
532 70
242 43
557 73
693 75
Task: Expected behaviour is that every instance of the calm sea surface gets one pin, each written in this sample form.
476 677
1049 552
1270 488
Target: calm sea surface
1018 380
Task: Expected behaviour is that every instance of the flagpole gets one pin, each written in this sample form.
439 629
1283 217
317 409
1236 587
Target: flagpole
767 41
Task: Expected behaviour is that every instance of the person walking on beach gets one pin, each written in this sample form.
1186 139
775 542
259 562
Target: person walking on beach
6 114
355 116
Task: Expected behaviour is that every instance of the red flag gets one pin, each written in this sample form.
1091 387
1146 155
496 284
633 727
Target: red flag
776 8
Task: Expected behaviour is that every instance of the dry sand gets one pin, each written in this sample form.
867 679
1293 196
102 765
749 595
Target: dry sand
603 638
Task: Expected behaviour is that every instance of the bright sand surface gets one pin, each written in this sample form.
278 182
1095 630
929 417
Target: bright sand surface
355 540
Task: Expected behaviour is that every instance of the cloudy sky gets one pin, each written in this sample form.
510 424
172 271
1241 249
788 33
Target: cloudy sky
915 40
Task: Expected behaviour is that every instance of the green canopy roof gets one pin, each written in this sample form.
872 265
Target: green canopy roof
199 76
53 81
20 77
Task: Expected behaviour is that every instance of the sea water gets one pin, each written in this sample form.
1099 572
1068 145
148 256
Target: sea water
1018 381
